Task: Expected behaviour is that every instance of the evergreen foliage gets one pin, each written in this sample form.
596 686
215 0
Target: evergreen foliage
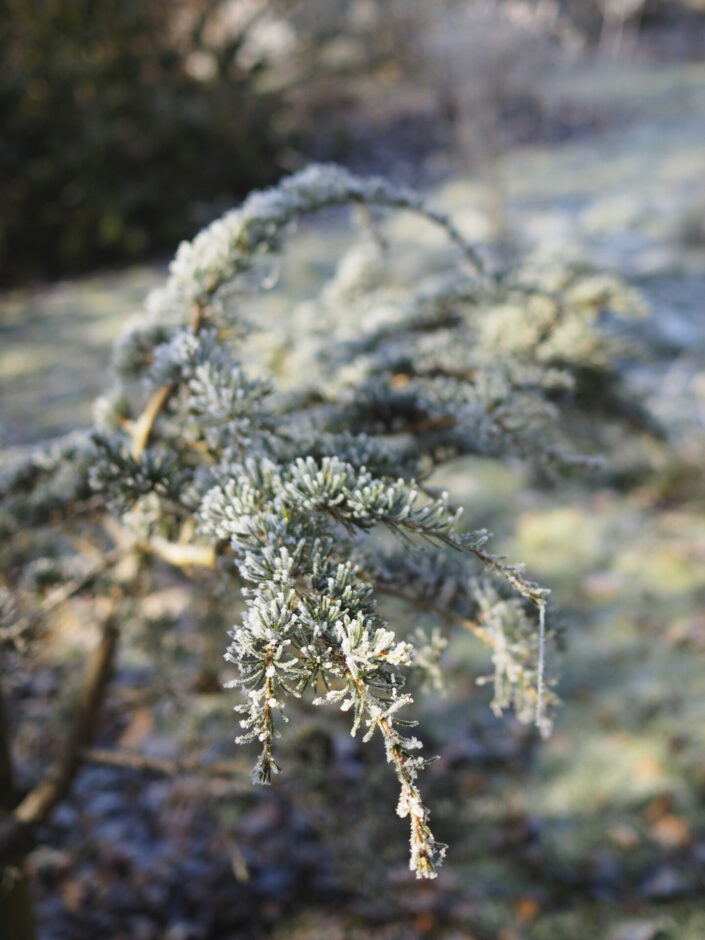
279 451
113 146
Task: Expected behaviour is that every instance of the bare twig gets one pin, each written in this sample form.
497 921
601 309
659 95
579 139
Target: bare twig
61 594
181 555
17 827
16 907
133 760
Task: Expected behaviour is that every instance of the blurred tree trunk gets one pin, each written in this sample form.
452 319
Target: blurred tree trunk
16 904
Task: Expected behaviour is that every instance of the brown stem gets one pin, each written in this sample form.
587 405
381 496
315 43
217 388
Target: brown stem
418 824
182 554
142 428
16 904
267 730
17 828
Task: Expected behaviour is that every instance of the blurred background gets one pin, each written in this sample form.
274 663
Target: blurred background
127 125
562 130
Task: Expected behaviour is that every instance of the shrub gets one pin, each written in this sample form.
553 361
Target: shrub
121 121
290 460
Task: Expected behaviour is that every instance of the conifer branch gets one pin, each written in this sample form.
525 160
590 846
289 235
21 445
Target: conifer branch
284 445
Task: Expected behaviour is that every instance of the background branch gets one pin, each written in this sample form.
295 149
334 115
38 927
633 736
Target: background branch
133 760
17 828
63 593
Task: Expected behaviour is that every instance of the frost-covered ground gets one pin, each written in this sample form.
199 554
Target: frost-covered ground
600 832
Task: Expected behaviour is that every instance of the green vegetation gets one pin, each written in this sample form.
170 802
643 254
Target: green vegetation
114 145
